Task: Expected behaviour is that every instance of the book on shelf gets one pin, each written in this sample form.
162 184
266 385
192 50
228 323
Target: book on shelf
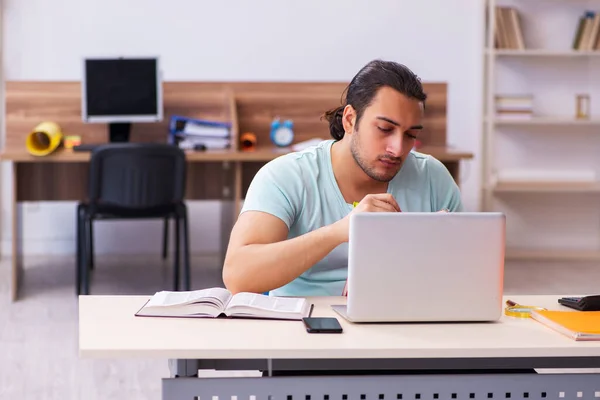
219 302
587 34
507 29
514 106
577 325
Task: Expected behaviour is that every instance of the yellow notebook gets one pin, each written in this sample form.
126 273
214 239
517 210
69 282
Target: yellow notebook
578 325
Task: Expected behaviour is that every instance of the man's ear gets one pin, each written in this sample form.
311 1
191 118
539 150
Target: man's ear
349 119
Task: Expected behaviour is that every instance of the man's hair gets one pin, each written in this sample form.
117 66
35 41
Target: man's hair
364 86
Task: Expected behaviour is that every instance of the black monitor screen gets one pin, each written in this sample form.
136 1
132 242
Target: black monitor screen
121 87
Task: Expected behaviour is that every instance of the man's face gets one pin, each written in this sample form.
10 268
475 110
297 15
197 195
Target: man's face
385 134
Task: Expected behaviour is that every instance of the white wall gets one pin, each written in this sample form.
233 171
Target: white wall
314 40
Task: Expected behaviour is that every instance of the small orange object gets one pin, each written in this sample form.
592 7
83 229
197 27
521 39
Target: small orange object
71 141
248 141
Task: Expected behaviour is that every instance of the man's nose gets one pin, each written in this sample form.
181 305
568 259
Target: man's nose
395 147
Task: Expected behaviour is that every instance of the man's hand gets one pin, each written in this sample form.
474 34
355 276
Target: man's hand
381 202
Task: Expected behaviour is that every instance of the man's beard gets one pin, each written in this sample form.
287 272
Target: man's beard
371 172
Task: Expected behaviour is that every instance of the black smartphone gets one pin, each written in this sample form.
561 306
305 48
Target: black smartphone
322 325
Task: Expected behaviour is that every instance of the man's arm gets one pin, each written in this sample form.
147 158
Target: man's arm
260 260
259 256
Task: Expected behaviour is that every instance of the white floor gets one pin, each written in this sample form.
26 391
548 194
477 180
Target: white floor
38 334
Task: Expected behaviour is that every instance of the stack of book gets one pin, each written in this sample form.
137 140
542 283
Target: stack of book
514 107
507 29
587 35
199 134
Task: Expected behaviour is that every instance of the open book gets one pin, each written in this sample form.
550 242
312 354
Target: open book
219 302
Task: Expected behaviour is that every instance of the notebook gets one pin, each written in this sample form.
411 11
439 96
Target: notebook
219 302
578 325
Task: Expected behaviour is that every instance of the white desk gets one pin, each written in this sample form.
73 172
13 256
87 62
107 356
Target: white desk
109 329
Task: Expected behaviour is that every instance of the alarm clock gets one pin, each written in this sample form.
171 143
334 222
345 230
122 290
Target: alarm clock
282 134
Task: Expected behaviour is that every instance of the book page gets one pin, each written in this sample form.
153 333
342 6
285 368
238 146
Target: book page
217 296
262 302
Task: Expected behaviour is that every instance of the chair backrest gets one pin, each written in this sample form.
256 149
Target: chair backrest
137 175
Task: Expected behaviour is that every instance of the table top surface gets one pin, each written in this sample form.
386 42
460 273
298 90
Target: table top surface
259 154
108 328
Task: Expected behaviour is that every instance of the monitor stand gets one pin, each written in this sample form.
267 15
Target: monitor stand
118 132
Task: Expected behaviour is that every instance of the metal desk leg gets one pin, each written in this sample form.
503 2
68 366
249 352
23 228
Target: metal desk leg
183 368
17 265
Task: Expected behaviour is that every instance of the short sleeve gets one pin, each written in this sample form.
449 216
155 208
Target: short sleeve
276 189
445 191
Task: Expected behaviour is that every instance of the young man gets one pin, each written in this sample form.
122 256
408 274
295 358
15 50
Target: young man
291 236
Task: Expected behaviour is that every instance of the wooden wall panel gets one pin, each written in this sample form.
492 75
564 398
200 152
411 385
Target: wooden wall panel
54 181
29 103
205 181
256 103
250 169
305 104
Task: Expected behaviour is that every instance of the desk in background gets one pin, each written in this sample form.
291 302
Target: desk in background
212 175
440 349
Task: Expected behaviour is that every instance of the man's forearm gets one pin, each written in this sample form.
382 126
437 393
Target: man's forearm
263 267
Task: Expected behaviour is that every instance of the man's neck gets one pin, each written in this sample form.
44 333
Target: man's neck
351 179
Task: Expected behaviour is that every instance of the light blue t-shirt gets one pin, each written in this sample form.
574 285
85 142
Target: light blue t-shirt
301 190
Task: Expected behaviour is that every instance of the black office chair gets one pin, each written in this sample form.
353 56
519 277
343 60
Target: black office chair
128 181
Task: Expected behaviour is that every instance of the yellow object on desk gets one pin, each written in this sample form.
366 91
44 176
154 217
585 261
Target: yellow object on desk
355 204
520 311
44 139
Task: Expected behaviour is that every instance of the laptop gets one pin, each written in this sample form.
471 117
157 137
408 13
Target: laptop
425 267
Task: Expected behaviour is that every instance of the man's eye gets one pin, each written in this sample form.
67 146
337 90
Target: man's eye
385 129
410 135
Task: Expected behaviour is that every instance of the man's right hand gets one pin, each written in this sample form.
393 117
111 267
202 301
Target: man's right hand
381 202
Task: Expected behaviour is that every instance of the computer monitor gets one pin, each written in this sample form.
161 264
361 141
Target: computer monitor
120 91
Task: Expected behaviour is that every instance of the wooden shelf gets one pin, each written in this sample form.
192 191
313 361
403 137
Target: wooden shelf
542 53
546 121
546 187
552 255
538 71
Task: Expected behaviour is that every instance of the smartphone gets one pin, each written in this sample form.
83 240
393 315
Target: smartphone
322 325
